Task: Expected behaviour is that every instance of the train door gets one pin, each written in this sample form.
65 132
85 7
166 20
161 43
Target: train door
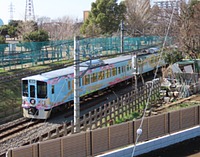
124 71
32 95
32 91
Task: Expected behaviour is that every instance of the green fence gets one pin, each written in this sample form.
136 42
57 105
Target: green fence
21 55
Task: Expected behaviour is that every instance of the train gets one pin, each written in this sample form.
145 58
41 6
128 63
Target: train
44 92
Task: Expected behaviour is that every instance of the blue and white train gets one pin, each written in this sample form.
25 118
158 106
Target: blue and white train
43 92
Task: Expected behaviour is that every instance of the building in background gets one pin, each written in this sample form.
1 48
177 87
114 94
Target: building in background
85 15
168 4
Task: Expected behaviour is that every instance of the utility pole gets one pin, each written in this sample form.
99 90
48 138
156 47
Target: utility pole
76 86
122 37
134 67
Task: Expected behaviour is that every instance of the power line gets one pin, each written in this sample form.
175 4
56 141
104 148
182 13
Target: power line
139 130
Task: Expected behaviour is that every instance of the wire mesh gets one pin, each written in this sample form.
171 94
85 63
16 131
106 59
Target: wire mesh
21 55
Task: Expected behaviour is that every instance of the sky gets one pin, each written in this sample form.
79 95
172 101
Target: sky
49 8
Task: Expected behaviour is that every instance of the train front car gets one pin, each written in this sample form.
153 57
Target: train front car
35 102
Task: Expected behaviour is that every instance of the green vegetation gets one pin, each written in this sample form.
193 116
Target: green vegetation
132 116
2 45
172 56
2 40
104 18
182 105
36 36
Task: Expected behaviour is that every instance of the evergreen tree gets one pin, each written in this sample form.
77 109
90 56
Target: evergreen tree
104 18
36 36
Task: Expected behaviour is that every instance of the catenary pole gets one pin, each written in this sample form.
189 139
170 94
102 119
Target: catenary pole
122 37
76 86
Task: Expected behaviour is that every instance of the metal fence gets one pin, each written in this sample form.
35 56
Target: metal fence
21 55
97 141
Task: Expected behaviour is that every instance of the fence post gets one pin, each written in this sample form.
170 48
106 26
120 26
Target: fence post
84 123
95 118
72 127
100 116
106 115
65 129
110 110
117 107
90 120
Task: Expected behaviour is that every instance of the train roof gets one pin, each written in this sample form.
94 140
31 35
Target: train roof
117 59
70 69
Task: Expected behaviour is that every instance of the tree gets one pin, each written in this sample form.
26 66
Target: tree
184 28
4 30
60 28
12 31
2 46
172 56
13 28
2 40
14 23
36 36
26 27
138 16
189 24
104 18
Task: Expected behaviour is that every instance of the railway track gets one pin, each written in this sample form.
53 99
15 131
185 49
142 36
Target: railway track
27 128
10 131
9 126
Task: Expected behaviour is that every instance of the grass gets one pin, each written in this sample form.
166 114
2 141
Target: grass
182 105
133 115
10 95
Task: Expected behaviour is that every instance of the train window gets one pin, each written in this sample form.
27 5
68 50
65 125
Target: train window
87 79
101 75
93 77
128 67
52 89
114 71
107 73
119 70
41 89
69 84
32 91
25 88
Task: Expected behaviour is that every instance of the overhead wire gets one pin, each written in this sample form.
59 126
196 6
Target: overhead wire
139 130
79 61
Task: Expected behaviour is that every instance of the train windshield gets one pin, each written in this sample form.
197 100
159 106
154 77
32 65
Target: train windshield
41 89
25 88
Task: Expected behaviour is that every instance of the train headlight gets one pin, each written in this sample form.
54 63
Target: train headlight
32 101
